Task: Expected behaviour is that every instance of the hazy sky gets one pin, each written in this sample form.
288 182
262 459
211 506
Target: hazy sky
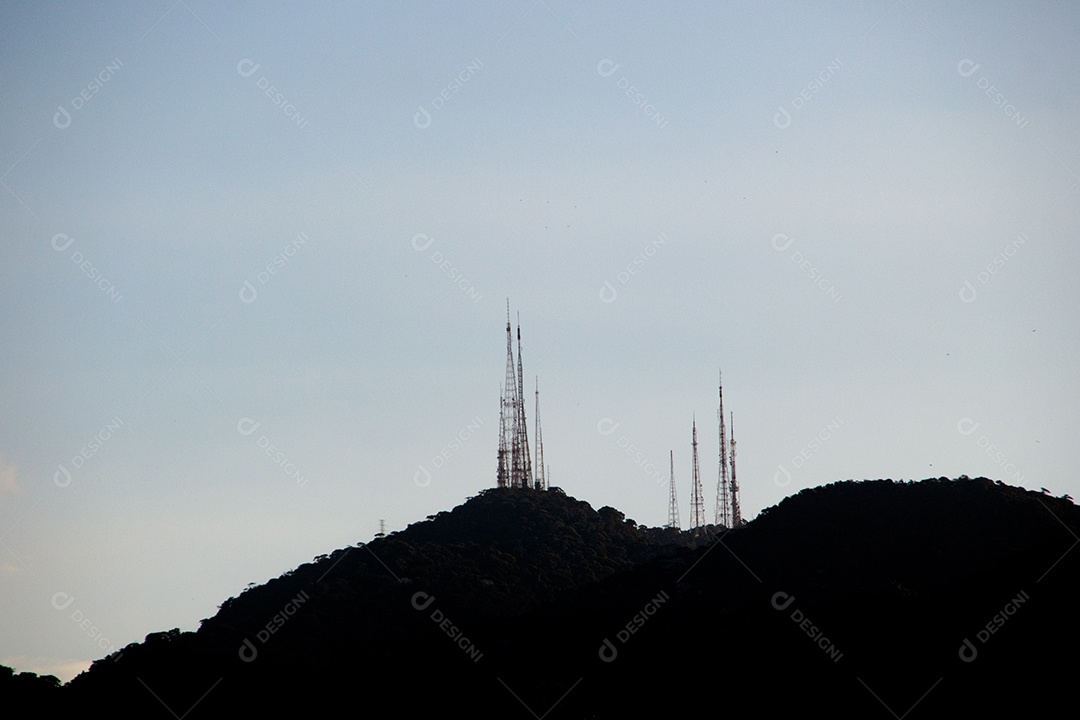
255 259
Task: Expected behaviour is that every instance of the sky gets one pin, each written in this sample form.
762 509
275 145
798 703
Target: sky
255 260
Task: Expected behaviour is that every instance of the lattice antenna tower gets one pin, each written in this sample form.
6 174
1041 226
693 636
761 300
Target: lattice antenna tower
507 412
673 501
723 497
697 503
736 512
522 462
541 475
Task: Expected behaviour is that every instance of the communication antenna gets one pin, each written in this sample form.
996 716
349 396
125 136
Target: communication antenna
736 512
697 503
673 501
541 477
723 497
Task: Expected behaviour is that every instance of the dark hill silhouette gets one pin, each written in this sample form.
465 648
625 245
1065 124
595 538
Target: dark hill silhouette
853 599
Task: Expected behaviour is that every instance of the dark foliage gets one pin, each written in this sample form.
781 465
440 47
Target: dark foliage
853 599
29 690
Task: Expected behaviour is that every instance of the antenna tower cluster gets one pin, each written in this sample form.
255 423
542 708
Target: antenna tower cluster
727 512
515 467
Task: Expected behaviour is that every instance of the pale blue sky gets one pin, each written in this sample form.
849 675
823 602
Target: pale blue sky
814 190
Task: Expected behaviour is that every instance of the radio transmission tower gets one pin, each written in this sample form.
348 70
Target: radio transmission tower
541 476
522 461
515 464
673 502
697 503
736 512
507 412
723 498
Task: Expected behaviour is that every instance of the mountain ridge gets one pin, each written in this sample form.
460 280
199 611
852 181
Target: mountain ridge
527 590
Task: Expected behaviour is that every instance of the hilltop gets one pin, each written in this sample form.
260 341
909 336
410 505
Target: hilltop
857 597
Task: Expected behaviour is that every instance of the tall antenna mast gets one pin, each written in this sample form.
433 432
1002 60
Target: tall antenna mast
522 462
736 512
697 503
723 499
541 476
673 501
507 412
